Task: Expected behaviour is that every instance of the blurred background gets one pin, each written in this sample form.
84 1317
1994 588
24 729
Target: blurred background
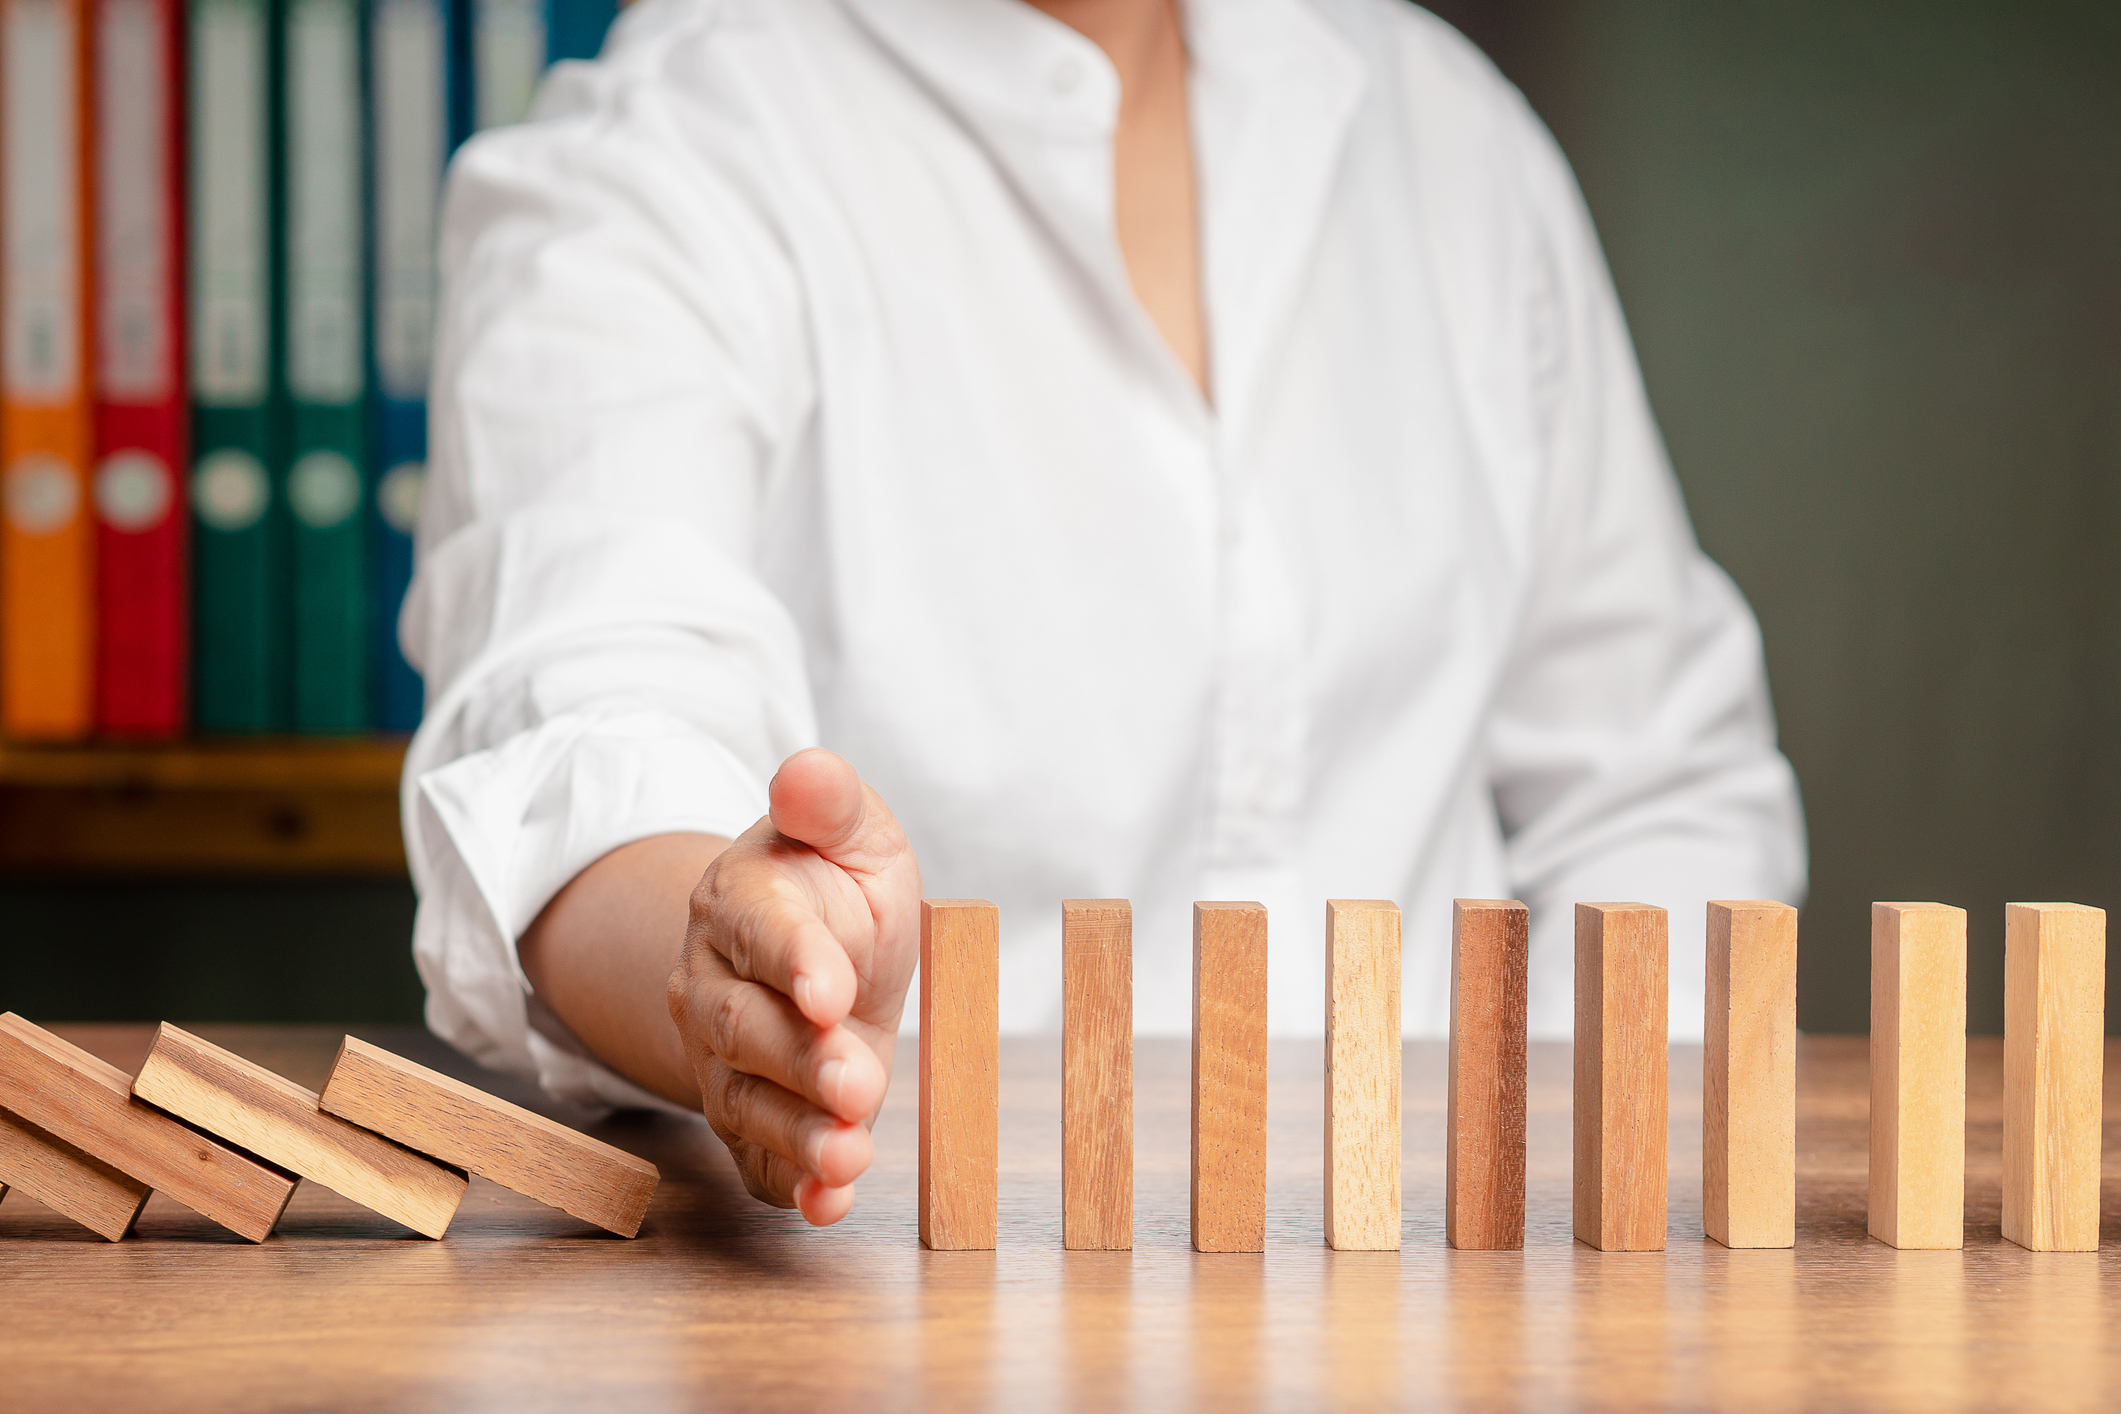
1871 257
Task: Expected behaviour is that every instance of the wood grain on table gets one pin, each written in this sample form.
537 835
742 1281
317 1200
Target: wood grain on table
722 1303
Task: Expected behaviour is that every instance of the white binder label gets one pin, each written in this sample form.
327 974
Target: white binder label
324 201
230 150
412 139
133 203
40 203
507 58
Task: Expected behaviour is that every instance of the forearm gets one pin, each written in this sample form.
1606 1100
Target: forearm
601 952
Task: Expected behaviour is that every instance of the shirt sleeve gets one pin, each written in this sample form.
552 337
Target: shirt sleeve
619 374
1631 746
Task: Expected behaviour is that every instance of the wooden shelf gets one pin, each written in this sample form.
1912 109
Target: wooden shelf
268 807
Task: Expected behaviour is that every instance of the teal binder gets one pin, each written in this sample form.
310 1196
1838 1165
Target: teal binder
326 362
239 627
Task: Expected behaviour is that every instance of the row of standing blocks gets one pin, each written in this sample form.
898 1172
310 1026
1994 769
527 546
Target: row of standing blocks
230 1139
2054 1049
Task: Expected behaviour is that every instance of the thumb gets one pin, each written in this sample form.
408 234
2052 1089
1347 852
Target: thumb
818 800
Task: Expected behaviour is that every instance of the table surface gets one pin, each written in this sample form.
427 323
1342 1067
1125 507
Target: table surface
724 1303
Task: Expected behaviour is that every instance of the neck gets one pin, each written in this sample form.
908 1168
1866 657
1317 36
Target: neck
1133 33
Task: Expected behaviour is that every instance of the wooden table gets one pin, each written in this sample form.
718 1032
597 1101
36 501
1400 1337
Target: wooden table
722 1303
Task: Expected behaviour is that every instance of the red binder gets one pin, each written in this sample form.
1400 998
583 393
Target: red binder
141 401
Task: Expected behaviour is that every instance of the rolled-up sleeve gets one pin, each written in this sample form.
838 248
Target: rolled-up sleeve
619 375
1632 745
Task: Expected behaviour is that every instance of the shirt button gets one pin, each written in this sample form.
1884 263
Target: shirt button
1067 76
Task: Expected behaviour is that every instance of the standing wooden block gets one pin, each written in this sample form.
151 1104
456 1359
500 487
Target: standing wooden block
960 1129
1484 1141
1918 1075
448 1120
1623 1099
1749 1076
1229 1077
1097 1075
1362 1075
2054 1044
82 1101
282 1123
64 1179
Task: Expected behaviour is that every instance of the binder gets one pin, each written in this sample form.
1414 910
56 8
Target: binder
326 363
410 131
142 597
239 624
574 29
47 588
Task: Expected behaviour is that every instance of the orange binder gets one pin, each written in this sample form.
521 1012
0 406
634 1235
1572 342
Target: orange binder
47 546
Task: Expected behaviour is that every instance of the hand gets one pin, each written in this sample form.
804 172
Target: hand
803 935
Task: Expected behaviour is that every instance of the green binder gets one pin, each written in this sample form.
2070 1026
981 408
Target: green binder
326 365
239 667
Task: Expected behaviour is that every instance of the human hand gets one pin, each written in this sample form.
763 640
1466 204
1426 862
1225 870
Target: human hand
803 936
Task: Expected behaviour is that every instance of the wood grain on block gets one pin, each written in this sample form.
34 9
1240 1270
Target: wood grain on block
444 1118
2054 1047
1484 1134
960 1122
88 1103
1918 1075
64 1179
1229 1077
1362 1075
1622 1091
282 1123
1749 1076
1097 1075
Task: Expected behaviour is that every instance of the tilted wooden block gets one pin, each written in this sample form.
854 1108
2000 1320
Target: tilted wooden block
960 1122
77 1098
1749 1076
64 1179
282 1123
1362 1075
1918 1075
1097 1075
1229 1077
1623 1099
448 1120
2054 1046
1484 1142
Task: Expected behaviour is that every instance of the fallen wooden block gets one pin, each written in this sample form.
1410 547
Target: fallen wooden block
2054 1047
281 1122
1918 1075
1097 1075
448 1120
1622 1076
64 1179
960 1100
1229 1077
1484 1143
1362 1075
79 1099
1749 1076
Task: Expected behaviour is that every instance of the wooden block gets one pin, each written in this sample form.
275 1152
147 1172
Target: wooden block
1918 1075
79 1099
1362 1075
960 1127
1229 1077
1097 1075
1484 1143
62 1178
448 1120
282 1123
1623 1099
1749 1076
2054 1043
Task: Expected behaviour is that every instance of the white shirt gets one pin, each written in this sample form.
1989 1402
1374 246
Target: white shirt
790 390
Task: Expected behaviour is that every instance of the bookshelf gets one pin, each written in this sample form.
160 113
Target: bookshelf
264 808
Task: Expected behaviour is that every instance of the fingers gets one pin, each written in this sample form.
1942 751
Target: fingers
767 935
818 799
772 1179
756 1030
749 1110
